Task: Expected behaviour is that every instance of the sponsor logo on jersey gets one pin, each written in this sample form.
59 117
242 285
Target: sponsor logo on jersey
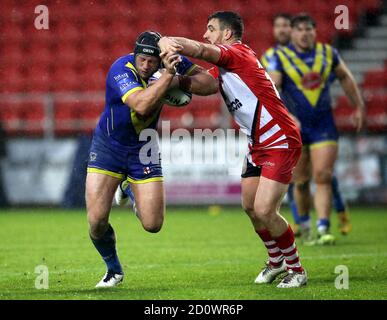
125 83
311 80
123 86
234 105
121 76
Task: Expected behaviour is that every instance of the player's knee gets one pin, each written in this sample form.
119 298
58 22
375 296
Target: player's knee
97 227
302 185
323 176
248 208
263 212
153 226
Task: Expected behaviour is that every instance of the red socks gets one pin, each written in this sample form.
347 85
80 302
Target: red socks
282 247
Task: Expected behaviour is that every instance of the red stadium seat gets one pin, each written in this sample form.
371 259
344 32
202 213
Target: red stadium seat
12 32
66 10
39 78
68 55
177 117
22 118
93 30
40 55
118 30
376 118
78 116
94 53
12 54
344 115
206 112
13 81
375 80
263 8
42 36
319 9
374 6
95 10
68 31
6 7
325 32
89 114
177 9
118 49
66 79
207 120
93 79
291 7
33 116
9 116
65 115
376 114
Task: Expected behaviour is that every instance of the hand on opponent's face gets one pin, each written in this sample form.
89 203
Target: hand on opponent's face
169 45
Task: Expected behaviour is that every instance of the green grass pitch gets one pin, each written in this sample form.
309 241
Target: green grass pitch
197 255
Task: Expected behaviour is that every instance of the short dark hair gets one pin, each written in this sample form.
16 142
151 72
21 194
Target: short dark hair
302 18
231 20
283 15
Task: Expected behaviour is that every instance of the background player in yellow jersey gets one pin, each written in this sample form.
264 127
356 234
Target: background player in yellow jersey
305 70
282 32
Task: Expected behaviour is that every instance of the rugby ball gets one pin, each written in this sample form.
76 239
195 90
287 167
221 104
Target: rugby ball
174 97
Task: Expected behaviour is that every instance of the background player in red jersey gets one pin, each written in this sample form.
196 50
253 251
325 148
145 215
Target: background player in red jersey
274 140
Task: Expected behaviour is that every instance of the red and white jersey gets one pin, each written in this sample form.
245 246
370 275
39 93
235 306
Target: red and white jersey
253 100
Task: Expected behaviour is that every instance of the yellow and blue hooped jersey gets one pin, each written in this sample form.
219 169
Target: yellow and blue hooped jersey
307 78
118 121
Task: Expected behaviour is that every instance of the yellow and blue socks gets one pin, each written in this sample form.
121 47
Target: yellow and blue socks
323 226
292 204
106 246
338 201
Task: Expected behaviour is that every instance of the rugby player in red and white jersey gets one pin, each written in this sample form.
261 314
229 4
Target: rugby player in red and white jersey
274 139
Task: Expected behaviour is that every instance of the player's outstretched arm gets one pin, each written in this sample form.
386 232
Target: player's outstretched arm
199 82
145 102
352 91
190 48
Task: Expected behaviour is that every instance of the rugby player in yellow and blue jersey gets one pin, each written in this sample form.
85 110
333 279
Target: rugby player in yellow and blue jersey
117 153
305 70
282 32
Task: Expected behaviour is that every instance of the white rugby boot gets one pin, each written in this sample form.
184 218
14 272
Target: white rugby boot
125 197
110 280
294 280
121 196
269 273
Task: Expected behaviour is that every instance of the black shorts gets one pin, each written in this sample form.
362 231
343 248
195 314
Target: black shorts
250 170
